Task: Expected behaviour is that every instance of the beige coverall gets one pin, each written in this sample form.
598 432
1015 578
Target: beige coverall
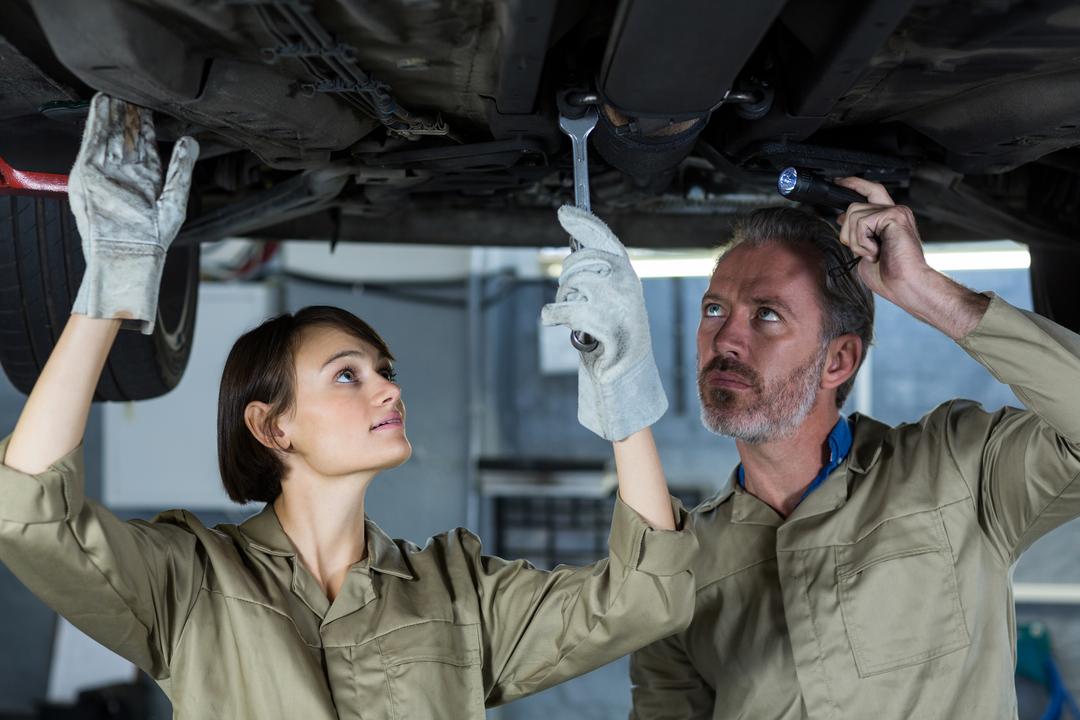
232 626
886 593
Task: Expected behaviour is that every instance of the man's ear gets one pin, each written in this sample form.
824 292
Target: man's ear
844 354
256 416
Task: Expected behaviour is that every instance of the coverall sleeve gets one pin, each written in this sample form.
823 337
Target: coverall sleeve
128 585
1022 466
540 628
666 685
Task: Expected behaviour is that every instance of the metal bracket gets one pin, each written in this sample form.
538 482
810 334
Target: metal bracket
341 51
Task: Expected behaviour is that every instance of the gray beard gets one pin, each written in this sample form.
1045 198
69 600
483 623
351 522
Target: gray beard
775 413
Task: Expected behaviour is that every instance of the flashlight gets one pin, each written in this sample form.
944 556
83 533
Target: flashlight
806 187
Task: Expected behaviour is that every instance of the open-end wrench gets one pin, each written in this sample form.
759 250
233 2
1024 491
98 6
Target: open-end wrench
578 129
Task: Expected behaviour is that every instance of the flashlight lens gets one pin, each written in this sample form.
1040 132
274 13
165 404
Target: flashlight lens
787 180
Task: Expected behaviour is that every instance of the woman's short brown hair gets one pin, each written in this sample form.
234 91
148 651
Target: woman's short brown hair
261 367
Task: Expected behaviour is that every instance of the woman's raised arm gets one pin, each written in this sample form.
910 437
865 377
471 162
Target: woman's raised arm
642 485
54 418
129 585
619 390
545 627
127 218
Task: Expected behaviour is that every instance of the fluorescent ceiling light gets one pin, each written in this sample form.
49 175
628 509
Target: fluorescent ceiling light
979 260
647 264
656 267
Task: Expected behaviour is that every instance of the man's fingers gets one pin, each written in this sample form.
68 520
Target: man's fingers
172 205
845 227
872 191
865 236
856 225
867 226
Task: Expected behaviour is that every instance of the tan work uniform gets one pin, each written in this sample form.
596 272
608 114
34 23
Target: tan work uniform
232 626
886 593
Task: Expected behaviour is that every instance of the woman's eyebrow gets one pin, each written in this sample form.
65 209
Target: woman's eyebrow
344 353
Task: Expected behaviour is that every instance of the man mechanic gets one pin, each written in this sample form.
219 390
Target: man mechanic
850 569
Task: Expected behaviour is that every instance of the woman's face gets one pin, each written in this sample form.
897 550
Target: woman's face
348 416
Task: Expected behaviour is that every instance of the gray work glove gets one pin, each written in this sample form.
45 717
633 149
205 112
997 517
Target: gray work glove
126 218
619 390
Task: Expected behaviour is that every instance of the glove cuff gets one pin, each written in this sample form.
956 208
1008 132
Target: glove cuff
122 279
617 409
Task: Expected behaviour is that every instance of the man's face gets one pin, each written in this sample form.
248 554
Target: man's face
760 354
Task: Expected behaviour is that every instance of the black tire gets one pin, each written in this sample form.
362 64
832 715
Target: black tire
1055 290
41 266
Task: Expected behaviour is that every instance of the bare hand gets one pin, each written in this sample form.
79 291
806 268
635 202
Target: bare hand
884 235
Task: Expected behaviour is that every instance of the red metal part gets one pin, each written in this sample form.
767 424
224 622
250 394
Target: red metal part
21 182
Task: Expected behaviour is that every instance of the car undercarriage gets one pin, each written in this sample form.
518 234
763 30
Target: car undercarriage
437 121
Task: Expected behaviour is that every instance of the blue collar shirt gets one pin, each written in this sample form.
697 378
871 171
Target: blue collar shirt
839 447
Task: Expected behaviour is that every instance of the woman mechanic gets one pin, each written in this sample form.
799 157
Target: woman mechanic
308 610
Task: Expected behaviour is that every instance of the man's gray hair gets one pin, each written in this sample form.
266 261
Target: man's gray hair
847 303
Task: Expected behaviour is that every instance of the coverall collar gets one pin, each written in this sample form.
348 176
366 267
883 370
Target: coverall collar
866 444
264 533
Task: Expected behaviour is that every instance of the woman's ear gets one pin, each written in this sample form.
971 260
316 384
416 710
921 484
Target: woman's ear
842 362
256 416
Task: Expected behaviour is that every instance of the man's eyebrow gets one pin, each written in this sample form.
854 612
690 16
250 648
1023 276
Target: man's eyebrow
344 353
772 301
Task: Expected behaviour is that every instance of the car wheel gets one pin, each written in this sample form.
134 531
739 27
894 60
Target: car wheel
1054 291
41 266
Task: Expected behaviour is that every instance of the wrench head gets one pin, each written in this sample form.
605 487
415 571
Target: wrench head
579 127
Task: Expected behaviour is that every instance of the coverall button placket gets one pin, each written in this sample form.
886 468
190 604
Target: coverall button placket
343 659
803 569
746 509
347 652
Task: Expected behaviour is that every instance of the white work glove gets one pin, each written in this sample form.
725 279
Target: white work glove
619 389
125 217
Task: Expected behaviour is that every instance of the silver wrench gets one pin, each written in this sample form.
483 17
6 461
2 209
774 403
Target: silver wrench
578 129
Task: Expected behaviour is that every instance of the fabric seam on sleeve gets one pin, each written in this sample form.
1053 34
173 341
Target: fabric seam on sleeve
564 656
1035 520
105 577
187 615
1004 560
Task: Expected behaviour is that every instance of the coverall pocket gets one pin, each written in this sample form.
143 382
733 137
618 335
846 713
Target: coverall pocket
433 670
899 595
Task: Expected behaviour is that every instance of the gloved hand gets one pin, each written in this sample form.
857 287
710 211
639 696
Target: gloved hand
619 389
125 217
